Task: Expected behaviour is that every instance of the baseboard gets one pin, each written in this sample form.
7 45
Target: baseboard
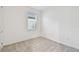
13 42
48 37
61 42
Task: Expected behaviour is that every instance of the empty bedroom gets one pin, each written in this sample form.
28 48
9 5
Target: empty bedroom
39 29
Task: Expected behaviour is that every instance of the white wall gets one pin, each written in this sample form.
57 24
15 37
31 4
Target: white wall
61 24
50 22
15 21
1 27
1 18
0 23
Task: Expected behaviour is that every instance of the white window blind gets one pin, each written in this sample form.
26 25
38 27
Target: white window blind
32 23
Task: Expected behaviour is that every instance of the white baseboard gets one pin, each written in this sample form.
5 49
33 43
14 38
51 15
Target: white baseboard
22 39
41 35
57 40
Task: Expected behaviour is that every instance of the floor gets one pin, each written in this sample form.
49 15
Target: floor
39 44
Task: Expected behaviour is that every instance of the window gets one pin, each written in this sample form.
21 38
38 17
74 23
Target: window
32 22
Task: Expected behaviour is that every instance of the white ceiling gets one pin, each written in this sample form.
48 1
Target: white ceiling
41 8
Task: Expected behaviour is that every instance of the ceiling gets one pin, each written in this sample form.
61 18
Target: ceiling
41 8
